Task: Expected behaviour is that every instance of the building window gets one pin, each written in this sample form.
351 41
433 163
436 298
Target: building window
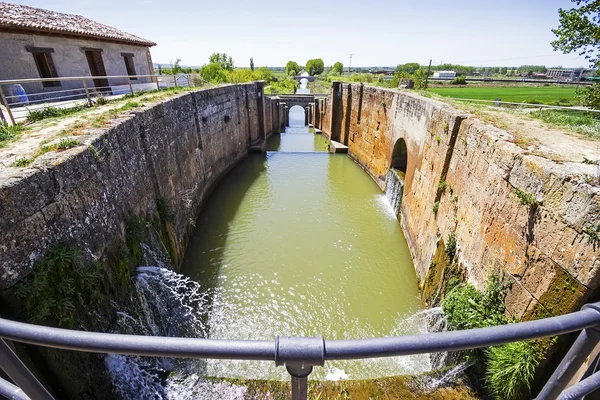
128 58
44 64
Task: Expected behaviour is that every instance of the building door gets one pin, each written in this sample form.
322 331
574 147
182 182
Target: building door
96 64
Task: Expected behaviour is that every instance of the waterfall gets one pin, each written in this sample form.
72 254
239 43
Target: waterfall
394 189
166 304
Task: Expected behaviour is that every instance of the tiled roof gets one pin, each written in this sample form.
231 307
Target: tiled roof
36 19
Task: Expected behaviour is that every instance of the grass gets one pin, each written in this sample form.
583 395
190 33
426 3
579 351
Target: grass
518 94
511 369
578 121
9 132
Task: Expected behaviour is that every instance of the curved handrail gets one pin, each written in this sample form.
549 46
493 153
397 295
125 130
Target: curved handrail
266 350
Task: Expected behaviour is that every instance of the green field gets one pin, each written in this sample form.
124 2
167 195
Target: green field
524 94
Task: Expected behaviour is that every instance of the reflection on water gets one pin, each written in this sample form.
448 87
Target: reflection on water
301 242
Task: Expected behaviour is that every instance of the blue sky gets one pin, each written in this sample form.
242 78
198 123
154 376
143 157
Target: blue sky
377 32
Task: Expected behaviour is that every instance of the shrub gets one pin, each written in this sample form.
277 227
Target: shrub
468 308
101 101
459 80
58 283
511 369
590 96
451 246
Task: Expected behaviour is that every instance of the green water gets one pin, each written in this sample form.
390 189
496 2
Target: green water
298 241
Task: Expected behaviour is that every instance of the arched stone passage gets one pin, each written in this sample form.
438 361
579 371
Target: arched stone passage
297 116
400 156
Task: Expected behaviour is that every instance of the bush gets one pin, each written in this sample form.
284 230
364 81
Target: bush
468 308
459 80
511 369
590 96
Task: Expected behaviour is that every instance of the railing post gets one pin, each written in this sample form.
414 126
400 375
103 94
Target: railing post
299 381
5 103
130 86
87 93
175 80
572 362
299 354
157 82
18 372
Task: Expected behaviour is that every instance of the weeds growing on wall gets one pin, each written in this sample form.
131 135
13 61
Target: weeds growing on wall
51 112
58 285
526 198
451 246
508 370
593 234
436 207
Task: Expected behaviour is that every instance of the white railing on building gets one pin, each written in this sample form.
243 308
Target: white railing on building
17 105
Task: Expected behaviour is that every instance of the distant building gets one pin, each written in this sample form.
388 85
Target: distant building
444 74
37 43
565 74
537 75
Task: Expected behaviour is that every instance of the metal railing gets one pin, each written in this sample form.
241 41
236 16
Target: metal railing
300 354
19 105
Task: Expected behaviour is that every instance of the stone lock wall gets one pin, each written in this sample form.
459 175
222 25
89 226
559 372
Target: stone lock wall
178 149
549 259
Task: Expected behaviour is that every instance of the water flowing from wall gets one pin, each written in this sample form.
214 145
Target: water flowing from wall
394 189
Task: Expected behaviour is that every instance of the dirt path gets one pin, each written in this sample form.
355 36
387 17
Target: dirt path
537 136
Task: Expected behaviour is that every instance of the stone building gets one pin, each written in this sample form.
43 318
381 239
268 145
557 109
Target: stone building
38 43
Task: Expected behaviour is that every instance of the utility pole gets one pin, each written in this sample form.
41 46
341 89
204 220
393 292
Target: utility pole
427 77
350 65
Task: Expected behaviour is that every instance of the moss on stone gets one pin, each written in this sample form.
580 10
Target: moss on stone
443 274
398 387
565 294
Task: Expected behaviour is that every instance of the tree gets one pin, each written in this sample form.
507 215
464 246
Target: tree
252 64
315 66
213 73
240 76
224 61
409 68
292 68
420 77
263 74
579 31
177 68
338 68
